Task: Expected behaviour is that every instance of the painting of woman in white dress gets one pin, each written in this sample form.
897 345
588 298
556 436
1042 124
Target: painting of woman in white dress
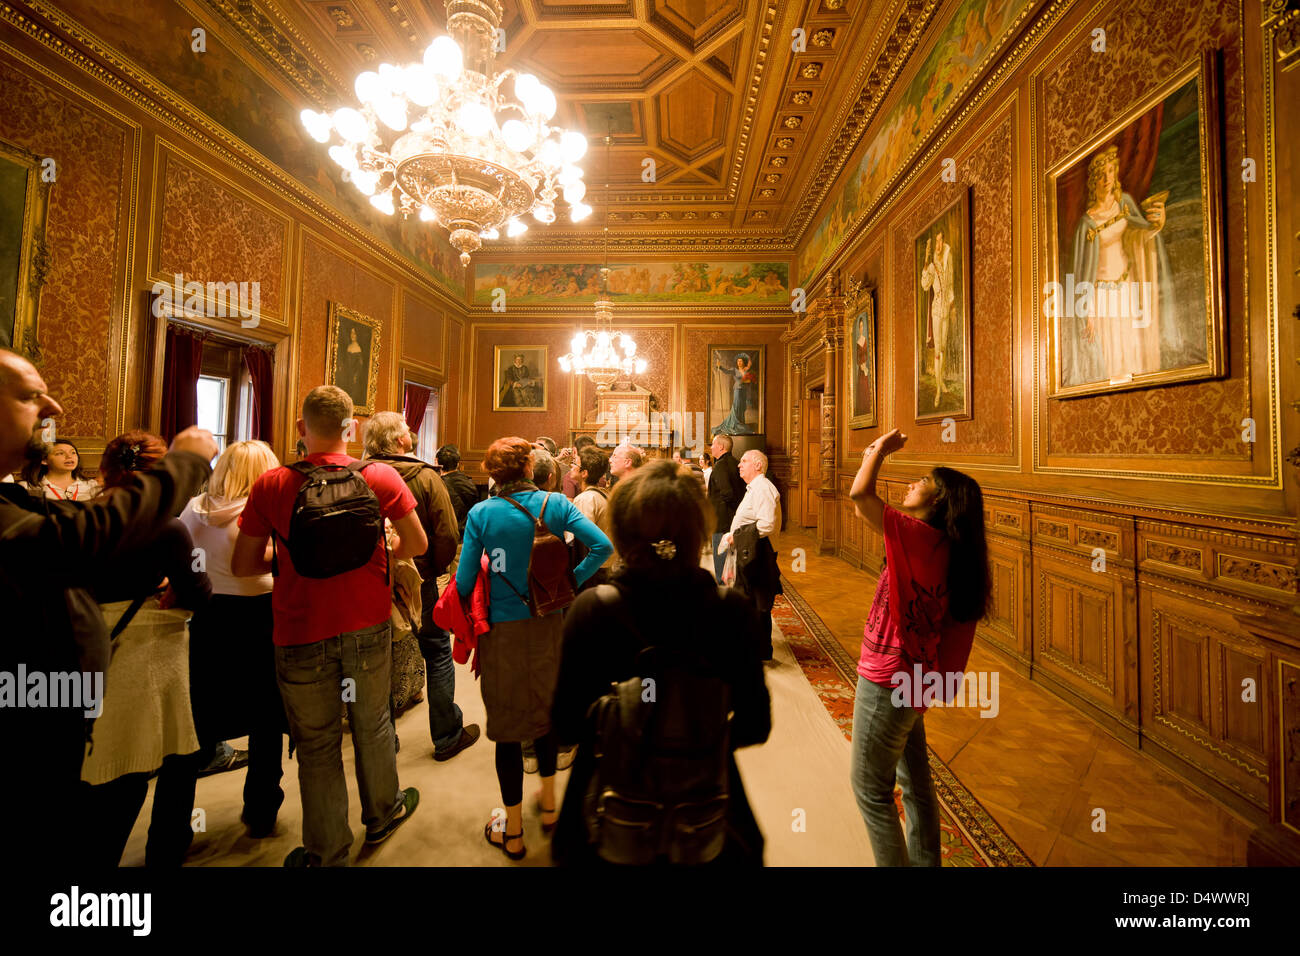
1135 247
943 315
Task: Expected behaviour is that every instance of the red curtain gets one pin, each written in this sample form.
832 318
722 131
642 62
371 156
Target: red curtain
415 403
261 370
181 364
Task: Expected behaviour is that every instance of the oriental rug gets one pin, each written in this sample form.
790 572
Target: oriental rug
969 835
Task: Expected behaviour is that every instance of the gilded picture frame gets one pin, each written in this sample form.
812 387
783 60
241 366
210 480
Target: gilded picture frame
941 283
520 378
1163 319
352 356
24 255
860 360
737 403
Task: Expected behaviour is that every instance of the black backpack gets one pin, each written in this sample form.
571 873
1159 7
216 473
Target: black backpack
336 521
660 789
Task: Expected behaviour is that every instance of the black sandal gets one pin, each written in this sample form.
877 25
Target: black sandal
487 834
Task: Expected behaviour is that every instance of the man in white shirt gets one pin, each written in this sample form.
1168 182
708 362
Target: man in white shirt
760 507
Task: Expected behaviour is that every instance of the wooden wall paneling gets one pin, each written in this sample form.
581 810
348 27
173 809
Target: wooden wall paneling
1009 625
1085 628
1198 711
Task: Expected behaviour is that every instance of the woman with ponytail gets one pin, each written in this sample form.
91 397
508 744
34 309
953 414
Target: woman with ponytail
933 590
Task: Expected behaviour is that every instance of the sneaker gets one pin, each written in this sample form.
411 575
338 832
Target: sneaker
565 758
468 737
301 858
234 760
410 800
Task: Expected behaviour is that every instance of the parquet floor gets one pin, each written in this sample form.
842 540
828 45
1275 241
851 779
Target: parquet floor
1040 767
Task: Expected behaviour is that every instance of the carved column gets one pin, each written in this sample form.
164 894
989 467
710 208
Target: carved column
796 434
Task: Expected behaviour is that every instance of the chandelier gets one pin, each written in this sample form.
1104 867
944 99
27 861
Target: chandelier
442 139
603 355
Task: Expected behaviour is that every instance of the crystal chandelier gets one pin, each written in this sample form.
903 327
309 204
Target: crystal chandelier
603 355
443 140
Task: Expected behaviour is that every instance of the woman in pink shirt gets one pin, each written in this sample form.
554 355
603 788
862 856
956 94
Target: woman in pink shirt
933 590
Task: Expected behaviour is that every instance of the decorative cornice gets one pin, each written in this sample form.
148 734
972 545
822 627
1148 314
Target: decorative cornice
281 43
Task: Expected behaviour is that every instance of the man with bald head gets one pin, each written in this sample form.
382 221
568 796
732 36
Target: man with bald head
52 553
758 515
624 460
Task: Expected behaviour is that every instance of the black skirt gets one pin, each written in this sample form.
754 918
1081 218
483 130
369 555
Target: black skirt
232 669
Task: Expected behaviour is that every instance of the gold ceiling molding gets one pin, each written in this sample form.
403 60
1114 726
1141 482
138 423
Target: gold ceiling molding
765 31
283 45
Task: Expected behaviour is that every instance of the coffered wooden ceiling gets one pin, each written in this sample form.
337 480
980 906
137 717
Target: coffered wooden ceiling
746 134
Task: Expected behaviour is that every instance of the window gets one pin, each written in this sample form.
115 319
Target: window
213 407
427 445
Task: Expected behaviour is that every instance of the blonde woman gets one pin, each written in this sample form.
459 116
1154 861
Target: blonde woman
232 659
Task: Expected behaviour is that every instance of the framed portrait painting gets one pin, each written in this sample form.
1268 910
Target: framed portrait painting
24 256
942 252
737 377
861 354
520 378
1134 295
352 356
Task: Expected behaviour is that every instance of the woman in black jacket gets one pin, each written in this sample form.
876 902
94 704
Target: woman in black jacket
660 521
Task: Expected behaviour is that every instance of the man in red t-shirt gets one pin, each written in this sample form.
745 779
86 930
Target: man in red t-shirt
332 642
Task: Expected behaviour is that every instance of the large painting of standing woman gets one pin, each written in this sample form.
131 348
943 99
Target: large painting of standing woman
352 357
736 380
942 293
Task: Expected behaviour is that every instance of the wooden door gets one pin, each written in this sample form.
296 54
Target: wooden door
811 452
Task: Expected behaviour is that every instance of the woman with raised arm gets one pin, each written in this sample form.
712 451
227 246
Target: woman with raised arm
933 590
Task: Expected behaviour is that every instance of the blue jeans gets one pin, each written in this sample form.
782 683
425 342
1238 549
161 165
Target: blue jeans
311 680
445 718
889 741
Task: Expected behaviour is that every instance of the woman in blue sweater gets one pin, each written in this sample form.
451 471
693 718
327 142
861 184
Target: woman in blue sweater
520 655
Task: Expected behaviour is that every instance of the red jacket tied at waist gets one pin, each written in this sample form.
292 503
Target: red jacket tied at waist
464 625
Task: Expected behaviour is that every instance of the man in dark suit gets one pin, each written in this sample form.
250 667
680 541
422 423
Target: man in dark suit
726 489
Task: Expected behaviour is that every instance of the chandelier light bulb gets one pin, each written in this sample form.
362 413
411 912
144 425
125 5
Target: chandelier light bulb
444 57
393 79
427 214
515 228
602 340
545 103
383 202
490 234
578 211
369 86
549 154
318 125
345 156
365 182
569 175
544 214
574 191
526 88
518 136
421 86
629 347
392 111
640 366
474 119
351 125
564 363
574 146
578 341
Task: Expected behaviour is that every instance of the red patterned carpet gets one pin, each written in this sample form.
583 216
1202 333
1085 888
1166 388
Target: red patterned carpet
970 837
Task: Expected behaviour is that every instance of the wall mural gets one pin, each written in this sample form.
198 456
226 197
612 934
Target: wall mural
731 282
1134 296
961 52
222 85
